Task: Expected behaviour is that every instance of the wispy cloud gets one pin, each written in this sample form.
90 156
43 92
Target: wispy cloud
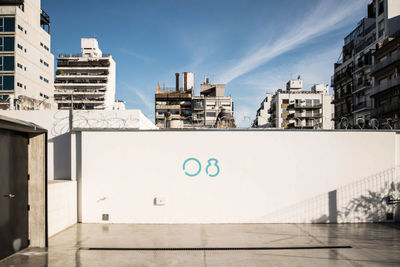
325 17
136 55
313 69
144 99
148 103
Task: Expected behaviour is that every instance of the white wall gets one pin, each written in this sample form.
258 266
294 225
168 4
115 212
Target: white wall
62 205
59 139
261 174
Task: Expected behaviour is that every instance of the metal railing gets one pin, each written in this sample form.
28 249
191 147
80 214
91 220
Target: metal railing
385 85
389 60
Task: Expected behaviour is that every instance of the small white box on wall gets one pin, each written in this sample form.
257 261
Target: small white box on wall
159 201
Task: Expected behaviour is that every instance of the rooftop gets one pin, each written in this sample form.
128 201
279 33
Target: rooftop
217 245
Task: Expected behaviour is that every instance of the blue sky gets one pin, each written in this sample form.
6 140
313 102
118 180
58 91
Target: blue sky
253 46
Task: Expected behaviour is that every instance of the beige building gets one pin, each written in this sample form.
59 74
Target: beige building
297 108
26 63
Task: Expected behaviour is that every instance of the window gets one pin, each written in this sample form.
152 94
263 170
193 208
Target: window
45 80
6 82
285 101
19 84
20 46
44 46
7 24
45 63
20 28
210 114
19 66
380 11
6 63
41 77
6 43
41 60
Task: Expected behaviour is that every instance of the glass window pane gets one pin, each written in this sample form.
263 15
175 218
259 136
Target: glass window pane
9 24
9 44
8 83
8 63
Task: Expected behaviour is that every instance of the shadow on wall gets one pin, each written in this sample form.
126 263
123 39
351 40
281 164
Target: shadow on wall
363 201
62 156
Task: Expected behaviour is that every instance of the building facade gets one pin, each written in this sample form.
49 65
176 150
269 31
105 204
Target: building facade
297 108
386 90
86 80
352 81
180 108
26 63
262 117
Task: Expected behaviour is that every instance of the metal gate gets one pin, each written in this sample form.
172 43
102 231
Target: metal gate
13 192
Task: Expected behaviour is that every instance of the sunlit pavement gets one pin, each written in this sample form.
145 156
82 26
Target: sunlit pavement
226 245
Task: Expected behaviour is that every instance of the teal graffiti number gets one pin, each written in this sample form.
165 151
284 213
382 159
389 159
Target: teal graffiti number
214 165
191 174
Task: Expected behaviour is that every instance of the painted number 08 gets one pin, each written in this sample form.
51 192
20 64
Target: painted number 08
212 168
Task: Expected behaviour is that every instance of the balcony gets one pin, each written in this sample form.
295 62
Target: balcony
168 107
307 106
360 106
343 75
78 92
385 86
386 109
66 63
386 62
365 84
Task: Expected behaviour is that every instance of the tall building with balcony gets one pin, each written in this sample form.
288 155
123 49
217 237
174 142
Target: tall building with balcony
352 81
180 108
386 89
297 108
26 63
86 80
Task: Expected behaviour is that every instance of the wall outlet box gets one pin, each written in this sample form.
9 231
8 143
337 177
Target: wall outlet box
159 201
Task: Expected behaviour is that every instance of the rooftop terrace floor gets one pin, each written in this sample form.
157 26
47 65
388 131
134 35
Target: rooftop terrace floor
276 245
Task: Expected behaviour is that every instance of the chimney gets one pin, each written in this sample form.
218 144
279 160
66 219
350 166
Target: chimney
177 81
184 81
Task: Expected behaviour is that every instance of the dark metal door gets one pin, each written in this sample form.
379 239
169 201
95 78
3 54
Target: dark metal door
13 192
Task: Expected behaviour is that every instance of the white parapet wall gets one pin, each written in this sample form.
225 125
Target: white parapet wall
262 176
62 205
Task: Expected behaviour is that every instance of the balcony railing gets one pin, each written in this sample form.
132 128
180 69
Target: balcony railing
359 106
384 63
346 73
386 109
385 85
308 106
168 107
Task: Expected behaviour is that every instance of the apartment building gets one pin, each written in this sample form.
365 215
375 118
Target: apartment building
86 80
262 117
173 106
297 108
352 81
26 63
386 90
180 108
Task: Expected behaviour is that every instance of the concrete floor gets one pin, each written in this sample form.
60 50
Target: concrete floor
372 245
